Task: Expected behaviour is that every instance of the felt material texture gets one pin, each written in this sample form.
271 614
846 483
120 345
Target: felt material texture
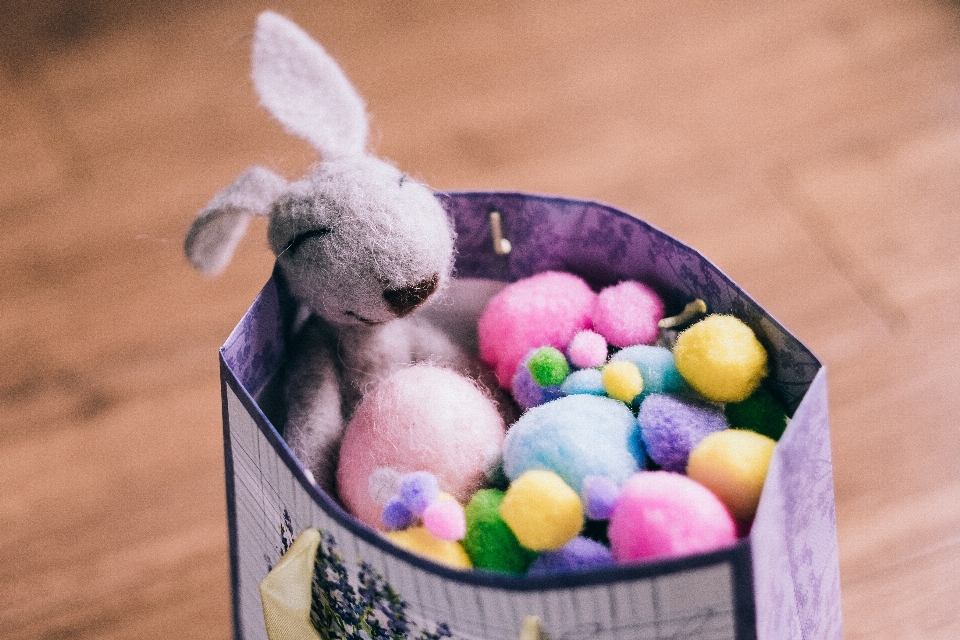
304 88
421 418
661 513
587 349
575 436
546 309
761 412
733 464
542 510
444 518
548 367
672 427
657 368
588 381
600 495
489 541
721 358
627 314
359 245
622 381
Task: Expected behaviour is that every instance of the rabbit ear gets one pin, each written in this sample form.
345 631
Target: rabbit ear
220 225
305 89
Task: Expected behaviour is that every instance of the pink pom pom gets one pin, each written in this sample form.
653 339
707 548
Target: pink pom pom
547 309
627 314
587 349
661 513
421 418
444 518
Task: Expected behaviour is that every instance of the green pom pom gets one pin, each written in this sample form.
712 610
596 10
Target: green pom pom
761 412
548 367
489 541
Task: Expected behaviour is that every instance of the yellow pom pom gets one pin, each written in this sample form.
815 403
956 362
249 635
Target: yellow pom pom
622 380
542 510
733 464
420 541
721 358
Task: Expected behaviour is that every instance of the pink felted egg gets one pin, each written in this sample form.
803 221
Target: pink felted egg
421 418
546 309
627 314
662 513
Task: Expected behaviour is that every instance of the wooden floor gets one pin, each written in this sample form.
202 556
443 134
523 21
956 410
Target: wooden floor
811 149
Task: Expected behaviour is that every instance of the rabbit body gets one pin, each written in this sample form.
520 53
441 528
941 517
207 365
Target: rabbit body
360 244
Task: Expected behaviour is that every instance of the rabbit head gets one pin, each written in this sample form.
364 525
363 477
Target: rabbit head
358 241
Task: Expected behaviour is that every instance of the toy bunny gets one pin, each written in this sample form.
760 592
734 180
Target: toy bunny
360 245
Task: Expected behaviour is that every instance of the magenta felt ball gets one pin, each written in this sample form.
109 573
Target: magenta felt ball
627 314
420 418
547 309
661 513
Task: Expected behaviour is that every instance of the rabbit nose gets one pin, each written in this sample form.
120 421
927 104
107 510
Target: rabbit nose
406 299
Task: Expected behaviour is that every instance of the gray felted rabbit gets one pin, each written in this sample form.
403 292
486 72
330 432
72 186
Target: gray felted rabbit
360 244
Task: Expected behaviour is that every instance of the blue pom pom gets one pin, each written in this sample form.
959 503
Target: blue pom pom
672 427
584 381
599 497
576 436
657 367
417 490
577 555
396 516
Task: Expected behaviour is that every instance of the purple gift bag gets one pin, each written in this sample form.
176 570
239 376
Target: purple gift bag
780 582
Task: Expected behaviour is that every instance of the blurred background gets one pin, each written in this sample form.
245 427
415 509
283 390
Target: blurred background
811 149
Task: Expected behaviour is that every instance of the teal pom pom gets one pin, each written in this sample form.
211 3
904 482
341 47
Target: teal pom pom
548 367
589 381
656 365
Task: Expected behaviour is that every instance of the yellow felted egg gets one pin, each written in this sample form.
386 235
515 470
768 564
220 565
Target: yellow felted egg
420 541
733 464
721 358
542 510
622 380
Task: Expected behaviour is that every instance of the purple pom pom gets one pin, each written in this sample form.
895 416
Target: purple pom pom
600 495
525 389
396 516
671 428
578 554
417 490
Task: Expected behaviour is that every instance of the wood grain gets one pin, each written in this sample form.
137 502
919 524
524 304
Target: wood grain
811 149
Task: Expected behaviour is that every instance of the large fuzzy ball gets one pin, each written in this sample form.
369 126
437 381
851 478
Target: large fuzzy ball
546 309
671 428
628 314
661 513
421 418
721 358
575 437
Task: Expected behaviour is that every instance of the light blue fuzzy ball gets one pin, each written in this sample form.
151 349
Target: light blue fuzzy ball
575 437
656 365
588 381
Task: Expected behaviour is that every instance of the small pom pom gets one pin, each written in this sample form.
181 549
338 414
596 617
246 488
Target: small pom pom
733 464
576 436
657 368
585 381
587 349
444 518
579 554
489 541
396 516
622 381
600 495
417 490
661 513
761 412
628 314
548 367
542 510
671 428
721 358
420 541
525 389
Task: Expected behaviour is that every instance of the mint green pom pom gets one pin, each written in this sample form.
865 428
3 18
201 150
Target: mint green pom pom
548 367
